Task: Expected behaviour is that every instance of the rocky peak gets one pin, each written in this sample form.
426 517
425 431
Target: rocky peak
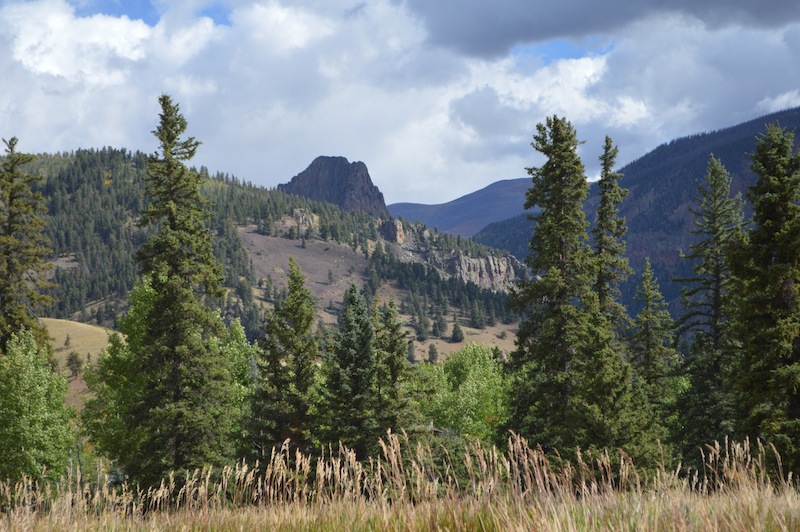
338 181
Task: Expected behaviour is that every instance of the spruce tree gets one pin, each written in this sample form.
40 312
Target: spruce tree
392 404
569 388
348 393
608 232
458 334
23 248
706 406
286 372
767 267
182 418
655 362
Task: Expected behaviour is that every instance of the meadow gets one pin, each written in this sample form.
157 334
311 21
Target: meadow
410 487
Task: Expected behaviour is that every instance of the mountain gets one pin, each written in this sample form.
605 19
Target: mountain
468 214
663 186
338 181
95 197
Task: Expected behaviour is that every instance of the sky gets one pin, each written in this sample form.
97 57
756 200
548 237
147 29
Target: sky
438 98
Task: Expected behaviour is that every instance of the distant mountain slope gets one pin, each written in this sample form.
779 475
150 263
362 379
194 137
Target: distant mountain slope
338 181
468 214
663 185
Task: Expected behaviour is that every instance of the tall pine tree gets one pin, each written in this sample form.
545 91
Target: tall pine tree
655 362
569 387
348 392
392 403
706 406
286 372
181 419
608 232
767 267
23 248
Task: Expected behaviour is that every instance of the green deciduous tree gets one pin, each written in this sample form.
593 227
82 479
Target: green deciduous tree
767 267
282 403
35 431
23 248
706 406
569 387
118 386
470 394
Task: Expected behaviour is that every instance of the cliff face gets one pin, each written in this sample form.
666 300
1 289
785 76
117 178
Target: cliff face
338 181
489 272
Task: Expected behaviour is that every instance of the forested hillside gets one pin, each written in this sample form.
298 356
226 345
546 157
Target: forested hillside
95 197
662 185
182 393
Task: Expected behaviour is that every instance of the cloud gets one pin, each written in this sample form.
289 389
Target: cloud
273 84
48 39
782 101
490 29
280 28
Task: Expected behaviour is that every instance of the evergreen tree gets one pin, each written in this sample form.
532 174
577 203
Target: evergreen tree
767 267
74 363
706 406
410 354
35 432
433 354
187 394
719 225
23 248
609 247
286 372
655 362
458 334
348 393
392 404
569 389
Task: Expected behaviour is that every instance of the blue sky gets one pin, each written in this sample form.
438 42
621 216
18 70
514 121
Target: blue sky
134 9
438 98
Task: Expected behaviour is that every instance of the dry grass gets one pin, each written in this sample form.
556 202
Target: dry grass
404 490
84 339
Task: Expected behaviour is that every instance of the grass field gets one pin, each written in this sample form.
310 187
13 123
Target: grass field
406 490
86 340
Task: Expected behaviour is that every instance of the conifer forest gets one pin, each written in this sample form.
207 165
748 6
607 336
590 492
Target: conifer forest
223 399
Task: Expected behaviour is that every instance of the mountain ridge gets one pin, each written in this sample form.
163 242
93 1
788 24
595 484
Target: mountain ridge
470 213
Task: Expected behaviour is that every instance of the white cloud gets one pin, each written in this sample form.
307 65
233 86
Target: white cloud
781 101
47 38
280 28
180 44
288 81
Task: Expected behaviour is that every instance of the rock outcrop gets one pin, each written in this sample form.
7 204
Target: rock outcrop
488 269
338 181
491 272
392 231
